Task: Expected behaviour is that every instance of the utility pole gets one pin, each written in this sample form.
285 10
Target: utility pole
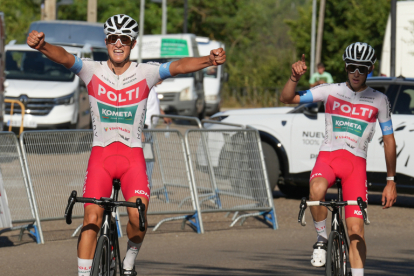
320 31
393 35
50 10
92 10
141 29
185 16
313 32
164 17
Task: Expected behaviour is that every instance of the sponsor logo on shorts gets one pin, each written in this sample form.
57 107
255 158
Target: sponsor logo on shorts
315 175
358 213
141 192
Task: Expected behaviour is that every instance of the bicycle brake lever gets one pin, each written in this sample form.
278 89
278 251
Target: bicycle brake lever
69 207
363 206
302 207
141 210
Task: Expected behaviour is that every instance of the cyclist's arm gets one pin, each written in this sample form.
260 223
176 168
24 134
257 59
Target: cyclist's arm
288 95
57 54
389 195
189 65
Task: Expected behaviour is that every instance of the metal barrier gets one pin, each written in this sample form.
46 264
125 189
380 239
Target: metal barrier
57 162
229 172
15 182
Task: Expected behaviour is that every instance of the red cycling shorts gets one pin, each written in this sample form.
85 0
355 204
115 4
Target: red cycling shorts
116 161
352 171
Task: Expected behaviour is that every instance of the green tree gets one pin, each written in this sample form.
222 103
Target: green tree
345 22
18 16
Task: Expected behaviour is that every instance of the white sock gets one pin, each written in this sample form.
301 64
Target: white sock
84 267
357 271
320 228
131 255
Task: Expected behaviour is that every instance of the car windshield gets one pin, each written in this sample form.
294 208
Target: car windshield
164 60
210 72
33 65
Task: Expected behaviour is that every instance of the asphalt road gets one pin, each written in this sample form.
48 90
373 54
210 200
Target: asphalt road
251 249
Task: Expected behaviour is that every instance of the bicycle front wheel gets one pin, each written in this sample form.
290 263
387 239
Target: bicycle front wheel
100 260
334 261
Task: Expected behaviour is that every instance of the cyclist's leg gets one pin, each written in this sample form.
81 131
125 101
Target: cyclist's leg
322 177
134 184
98 183
354 185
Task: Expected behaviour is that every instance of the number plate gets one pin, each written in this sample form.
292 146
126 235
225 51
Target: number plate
28 123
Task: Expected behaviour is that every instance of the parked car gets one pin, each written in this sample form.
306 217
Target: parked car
53 96
75 34
291 139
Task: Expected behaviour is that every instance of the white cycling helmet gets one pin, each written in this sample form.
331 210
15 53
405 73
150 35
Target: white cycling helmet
121 24
360 53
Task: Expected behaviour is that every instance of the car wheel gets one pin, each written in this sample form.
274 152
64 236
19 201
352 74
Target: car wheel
272 164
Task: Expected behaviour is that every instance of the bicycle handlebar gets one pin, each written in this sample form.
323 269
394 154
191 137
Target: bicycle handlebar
107 202
359 202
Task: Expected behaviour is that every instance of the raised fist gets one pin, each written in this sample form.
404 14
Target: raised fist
217 56
36 40
299 68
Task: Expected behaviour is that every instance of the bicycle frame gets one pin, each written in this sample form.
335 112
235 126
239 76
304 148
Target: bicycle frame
108 229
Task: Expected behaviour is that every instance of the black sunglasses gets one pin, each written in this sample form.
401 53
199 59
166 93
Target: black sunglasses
351 68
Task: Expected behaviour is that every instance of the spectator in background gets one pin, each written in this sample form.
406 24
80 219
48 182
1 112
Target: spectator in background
320 77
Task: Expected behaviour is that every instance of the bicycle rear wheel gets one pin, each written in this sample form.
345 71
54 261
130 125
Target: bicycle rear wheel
100 260
334 263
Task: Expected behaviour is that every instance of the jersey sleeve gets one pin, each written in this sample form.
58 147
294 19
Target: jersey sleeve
384 116
316 94
83 67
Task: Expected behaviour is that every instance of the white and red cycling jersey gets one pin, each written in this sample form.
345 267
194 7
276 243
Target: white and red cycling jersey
118 105
118 102
350 117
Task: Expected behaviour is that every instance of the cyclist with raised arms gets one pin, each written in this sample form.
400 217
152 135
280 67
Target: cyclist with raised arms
351 111
118 90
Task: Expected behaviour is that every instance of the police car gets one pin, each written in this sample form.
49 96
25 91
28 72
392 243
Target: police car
291 138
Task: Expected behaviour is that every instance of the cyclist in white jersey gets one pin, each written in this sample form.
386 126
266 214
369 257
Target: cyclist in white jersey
351 111
118 90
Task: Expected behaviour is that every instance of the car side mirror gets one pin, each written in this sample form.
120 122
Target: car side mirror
311 111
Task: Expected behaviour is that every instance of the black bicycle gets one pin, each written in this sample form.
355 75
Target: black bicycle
337 254
107 257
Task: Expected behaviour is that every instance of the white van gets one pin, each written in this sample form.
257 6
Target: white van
214 76
74 33
183 94
404 48
53 96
